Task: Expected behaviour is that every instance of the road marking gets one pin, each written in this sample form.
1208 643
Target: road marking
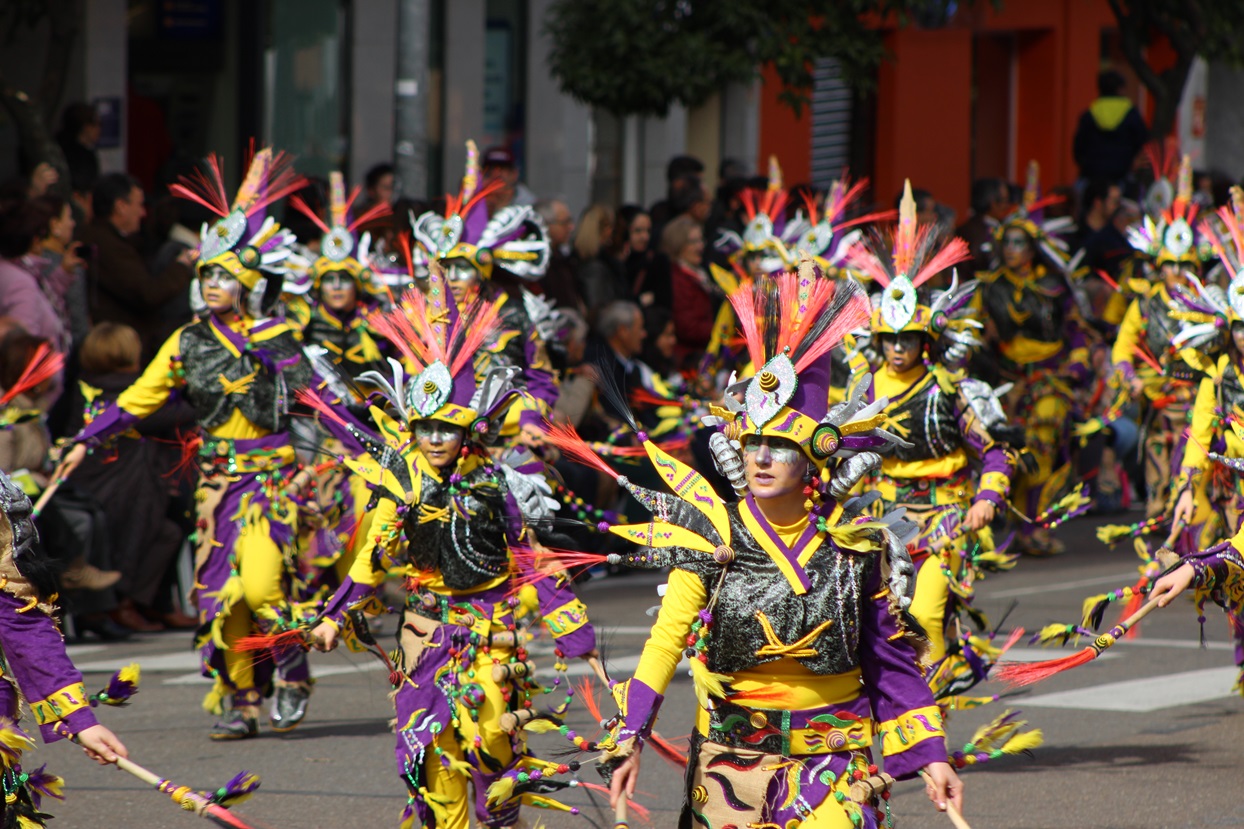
1140 696
75 651
1129 576
156 663
1188 644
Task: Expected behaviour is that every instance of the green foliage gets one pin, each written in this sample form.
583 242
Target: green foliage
639 57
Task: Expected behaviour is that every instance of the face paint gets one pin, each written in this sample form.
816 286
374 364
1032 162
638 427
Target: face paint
902 351
439 441
462 277
774 467
337 291
219 288
773 450
1016 249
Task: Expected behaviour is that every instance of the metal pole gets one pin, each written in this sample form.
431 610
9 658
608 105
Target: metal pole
410 126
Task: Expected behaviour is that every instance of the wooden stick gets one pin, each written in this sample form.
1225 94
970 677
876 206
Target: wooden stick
599 670
865 790
952 812
47 494
512 670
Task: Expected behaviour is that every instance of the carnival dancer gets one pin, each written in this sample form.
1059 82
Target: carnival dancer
949 422
452 524
344 286
1031 318
341 345
240 371
470 246
37 667
791 603
1145 356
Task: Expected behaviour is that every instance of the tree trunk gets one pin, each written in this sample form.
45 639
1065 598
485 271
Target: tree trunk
63 20
32 135
1167 97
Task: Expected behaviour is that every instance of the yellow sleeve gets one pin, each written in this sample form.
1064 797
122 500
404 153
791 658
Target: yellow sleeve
684 599
1116 308
1201 430
386 530
1129 335
163 375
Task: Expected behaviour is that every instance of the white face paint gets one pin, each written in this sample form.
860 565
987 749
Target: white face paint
220 289
439 441
337 291
462 276
774 466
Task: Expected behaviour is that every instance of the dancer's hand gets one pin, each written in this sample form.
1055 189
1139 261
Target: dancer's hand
941 784
325 636
101 745
70 459
1183 509
624 778
980 515
1172 584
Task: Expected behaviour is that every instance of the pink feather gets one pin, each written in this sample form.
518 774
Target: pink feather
955 251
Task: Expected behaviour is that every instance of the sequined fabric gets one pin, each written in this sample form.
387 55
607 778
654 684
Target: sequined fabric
471 524
276 364
1034 310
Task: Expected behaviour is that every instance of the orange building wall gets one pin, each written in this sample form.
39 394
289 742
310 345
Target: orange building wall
925 99
928 137
782 133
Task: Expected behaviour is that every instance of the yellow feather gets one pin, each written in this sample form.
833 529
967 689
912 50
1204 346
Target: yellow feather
501 790
214 701
131 673
1024 742
540 726
707 683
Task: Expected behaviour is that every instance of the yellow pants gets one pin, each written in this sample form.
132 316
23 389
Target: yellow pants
261 566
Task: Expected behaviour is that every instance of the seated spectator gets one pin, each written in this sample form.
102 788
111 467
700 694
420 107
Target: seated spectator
122 288
72 527
578 378
132 481
991 203
696 296
23 273
379 186
615 352
601 280
661 346
632 243
561 281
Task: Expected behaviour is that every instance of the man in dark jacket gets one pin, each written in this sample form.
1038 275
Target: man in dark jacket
1110 133
122 287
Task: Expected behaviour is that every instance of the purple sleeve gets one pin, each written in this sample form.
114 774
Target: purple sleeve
539 379
994 462
108 424
346 596
901 701
35 653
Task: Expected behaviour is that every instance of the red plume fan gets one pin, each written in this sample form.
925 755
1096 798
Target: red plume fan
44 364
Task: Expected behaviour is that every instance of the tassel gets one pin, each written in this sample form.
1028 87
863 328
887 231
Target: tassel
266 641
43 783
122 686
240 788
13 741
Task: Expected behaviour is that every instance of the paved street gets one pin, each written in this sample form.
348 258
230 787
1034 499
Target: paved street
1148 737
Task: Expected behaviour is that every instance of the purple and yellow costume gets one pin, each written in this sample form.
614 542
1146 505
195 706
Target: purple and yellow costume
797 635
240 375
1042 350
461 670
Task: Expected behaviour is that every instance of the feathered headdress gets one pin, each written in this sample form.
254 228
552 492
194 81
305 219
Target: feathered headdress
515 237
1167 232
790 324
1029 217
341 249
1212 309
911 256
438 340
246 241
763 233
824 236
